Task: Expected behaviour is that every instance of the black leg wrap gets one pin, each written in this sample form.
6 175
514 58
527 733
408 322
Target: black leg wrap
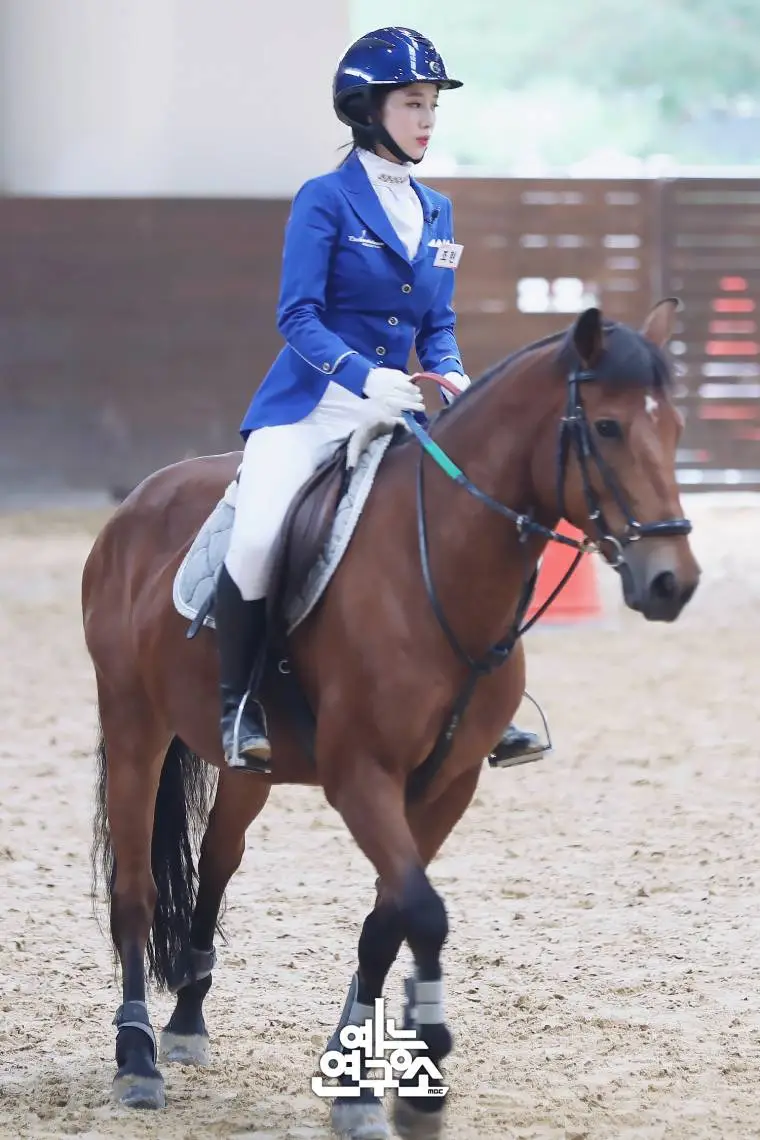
133 1026
199 966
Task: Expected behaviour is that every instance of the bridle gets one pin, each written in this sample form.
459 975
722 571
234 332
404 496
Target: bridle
575 434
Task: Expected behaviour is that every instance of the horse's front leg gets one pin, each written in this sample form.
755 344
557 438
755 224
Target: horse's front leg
417 1117
408 908
363 1117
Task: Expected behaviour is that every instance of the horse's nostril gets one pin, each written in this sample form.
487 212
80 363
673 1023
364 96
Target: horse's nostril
664 586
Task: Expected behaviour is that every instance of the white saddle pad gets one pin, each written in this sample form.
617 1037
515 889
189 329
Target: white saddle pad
197 573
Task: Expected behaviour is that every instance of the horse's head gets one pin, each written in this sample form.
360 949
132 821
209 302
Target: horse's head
617 457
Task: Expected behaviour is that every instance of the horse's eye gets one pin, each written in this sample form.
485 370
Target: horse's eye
609 429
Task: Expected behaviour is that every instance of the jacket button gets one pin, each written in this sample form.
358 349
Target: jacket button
380 350
406 288
392 320
325 367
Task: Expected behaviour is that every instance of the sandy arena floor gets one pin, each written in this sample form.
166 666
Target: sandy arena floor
603 960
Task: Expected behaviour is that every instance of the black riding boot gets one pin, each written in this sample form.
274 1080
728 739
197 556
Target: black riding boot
516 747
240 629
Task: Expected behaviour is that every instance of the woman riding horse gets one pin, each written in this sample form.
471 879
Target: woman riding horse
368 270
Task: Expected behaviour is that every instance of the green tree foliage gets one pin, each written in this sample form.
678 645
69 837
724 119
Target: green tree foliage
691 53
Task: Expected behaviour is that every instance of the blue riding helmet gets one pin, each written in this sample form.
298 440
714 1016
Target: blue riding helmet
387 57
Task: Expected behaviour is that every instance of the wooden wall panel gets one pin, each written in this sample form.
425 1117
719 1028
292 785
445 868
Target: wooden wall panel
133 332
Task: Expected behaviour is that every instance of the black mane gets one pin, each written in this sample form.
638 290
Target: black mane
629 359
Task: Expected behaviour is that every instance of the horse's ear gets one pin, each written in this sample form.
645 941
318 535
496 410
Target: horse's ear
660 323
588 337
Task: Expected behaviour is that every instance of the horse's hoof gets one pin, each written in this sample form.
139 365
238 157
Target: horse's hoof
185 1048
356 1121
412 1124
135 1091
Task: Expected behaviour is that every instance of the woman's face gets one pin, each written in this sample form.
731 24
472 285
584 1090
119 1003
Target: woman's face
409 118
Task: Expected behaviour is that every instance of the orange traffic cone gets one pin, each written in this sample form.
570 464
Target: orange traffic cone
579 600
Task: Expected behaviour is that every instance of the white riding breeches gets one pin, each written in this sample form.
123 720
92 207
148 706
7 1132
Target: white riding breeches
277 461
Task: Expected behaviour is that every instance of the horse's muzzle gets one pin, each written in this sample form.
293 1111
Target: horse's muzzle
659 577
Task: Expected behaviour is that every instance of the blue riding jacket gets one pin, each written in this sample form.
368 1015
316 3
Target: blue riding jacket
350 297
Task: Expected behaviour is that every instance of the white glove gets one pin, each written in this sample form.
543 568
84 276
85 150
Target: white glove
389 391
393 392
461 382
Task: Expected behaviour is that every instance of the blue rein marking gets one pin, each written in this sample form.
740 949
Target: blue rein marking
525 525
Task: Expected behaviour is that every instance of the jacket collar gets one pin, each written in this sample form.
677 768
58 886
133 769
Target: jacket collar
365 201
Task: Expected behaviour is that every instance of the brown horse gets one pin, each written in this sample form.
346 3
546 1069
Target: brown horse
393 665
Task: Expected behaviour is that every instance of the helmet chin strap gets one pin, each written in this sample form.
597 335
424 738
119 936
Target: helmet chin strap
385 139
367 121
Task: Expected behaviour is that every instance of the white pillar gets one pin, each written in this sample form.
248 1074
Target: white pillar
167 97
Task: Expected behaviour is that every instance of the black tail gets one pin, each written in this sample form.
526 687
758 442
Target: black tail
181 815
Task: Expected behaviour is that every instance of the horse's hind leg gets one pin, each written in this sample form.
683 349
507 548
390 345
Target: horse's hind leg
383 933
238 801
133 749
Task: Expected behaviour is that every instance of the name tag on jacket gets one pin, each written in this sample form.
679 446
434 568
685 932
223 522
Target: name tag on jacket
448 255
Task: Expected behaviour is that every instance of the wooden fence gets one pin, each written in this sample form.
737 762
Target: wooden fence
133 332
